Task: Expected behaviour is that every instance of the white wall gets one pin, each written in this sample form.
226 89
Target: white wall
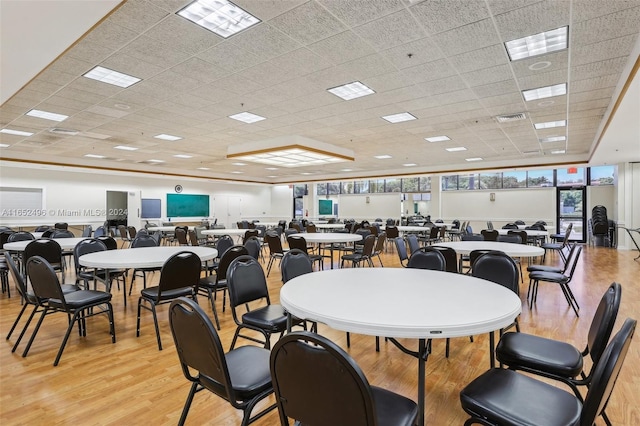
379 205
78 196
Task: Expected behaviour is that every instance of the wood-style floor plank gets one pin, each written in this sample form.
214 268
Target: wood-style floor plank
131 382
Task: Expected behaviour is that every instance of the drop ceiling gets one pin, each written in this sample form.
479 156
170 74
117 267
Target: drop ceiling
444 62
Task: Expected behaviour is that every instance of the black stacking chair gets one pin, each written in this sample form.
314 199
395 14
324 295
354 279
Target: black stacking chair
559 360
427 258
241 376
401 248
48 249
77 305
503 396
294 263
142 240
489 234
450 258
317 383
178 278
298 242
275 249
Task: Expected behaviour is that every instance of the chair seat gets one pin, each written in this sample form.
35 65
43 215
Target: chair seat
538 353
80 298
509 398
544 268
210 283
548 276
552 246
393 409
152 293
270 317
249 370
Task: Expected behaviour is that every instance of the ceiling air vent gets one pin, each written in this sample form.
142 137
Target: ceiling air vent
511 117
67 132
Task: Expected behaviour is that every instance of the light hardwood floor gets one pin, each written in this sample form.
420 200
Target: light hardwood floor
131 382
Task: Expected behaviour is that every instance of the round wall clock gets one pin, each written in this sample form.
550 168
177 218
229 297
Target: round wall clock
178 188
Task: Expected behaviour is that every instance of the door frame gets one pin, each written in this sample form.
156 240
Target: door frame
560 217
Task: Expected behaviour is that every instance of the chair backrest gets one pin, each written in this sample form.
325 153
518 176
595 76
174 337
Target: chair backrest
87 230
567 233
199 347
510 226
17 275
603 321
122 230
369 242
61 225
311 228
44 280
317 383
412 242
20 236
223 244
48 233
489 234
490 225
41 228
498 267
456 224
99 232
381 239
4 237
62 233
295 262
248 234
298 242
90 245
179 271
181 236
48 249
450 258
227 257
434 232
427 258
143 240
519 222
606 373
109 241
274 242
471 237
521 233
193 237
514 239
392 231
131 230
573 261
253 246
246 281
401 248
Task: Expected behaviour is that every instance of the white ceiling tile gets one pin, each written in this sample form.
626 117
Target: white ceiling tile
495 89
199 69
308 23
183 34
609 80
342 47
154 52
614 25
229 57
488 75
481 58
264 41
590 9
354 13
429 71
268 9
444 85
595 69
533 19
605 93
131 65
441 15
467 38
551 62
543 79
390 31
501 6
603 50
413 53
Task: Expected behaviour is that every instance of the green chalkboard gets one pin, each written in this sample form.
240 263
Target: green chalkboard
325 207
187 205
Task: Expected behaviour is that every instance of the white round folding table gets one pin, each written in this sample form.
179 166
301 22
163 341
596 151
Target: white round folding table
511 249
330 238
422 304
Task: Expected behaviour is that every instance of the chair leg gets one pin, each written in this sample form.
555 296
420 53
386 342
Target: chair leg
187 404
15 323
213 307
35 331
24 329
348 339
76 317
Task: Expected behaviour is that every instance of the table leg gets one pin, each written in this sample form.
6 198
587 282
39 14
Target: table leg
492 346
422 361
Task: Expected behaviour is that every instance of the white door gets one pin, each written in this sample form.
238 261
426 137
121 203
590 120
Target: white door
227 209
134 205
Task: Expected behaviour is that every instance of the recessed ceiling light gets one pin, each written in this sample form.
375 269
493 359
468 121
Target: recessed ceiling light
550 124
291 156
545 92
539 65
247 117
122 106
437 139
237 172
166 137
383 157
155 161
546 103
94 156
537 44
183 156
108 76
473 159
346 170
351 91
15 132
47 115
239 164
553 139
456 149
4 145
272 176
271 168
399 118
306 173
204 168
126 148
558 151
409 164
220 16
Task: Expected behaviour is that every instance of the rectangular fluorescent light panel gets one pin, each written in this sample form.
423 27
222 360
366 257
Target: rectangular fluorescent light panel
553 139
204 168
47 115
437 139
108 76
351 91
4 145
473 159
383 157
291 157
15 132
220 16
537 44
456 149
183 156
94 156
126 148
155 161
166 137
550 124
247 117
399 118
545 92
409 164
558 151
